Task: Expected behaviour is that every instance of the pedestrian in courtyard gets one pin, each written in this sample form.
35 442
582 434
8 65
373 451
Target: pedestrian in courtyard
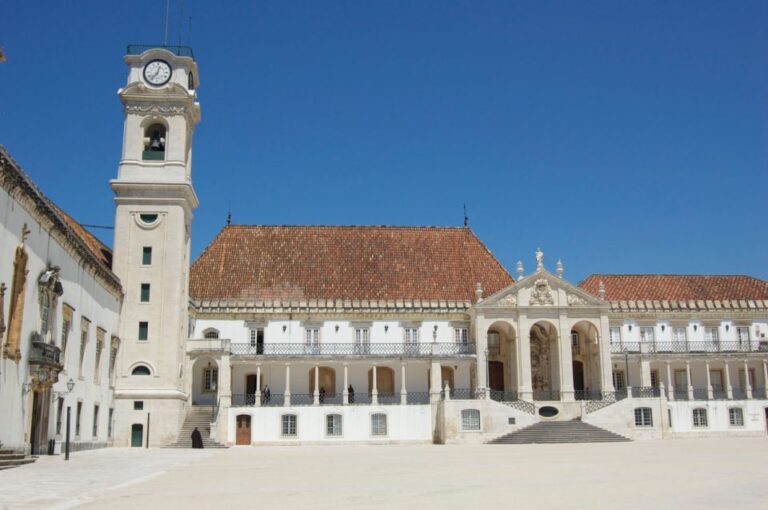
197 439
322 394
267 394
351 392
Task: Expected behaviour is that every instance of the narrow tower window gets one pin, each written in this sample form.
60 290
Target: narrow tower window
145 293
146 255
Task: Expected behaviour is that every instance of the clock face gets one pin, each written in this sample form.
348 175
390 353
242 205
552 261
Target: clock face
157 72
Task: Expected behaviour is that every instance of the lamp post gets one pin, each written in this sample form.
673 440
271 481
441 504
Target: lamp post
57 395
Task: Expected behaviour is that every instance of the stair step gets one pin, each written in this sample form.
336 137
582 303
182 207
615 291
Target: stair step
574 431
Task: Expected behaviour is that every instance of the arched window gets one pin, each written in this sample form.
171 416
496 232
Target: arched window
379 424
211 333
154 143
141 370
470 419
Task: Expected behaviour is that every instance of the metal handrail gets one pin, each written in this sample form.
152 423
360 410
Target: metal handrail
463 394
504 396
407 350
418 397
679 346
44 353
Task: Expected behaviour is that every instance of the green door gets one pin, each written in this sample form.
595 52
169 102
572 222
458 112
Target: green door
137 434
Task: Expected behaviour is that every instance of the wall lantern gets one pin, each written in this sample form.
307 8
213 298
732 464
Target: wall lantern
663 327
284 328
337 328
386 328
695 327
727 327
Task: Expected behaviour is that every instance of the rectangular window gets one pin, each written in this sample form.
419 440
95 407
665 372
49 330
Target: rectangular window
742 335
379 424
143 331
711 337
333 425
618 380
700 417
96 421
736 417
109 423
461 336
138 405
99 348
84 324
362 341
643 417
145 293
59 412
66 325
494 343
646 335
146 255
256 338
654 378
470 419
78 415
210 378
312 336
615 335
411 335
575 342
289 424
679 335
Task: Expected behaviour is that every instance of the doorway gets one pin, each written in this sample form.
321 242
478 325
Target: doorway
137 435
578 375
496 375
39 426
243 436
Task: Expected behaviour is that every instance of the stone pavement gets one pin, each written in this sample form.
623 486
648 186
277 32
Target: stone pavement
672 474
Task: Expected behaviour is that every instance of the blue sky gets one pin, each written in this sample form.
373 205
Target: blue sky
620 136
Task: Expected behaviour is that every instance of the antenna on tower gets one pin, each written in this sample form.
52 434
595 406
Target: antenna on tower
466 218
165 36
181 20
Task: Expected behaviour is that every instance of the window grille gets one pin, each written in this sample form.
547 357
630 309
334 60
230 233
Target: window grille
494 343
643 417
289 424
210 378
211 333
700 417
461 336
379 424
736 417
679 335
333 424
470 419
615 335
646 335
411 335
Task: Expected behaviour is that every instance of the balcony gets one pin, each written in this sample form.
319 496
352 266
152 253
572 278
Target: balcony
207 345
678 347
44 354
405 350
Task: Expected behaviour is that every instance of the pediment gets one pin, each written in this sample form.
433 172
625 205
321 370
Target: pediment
541 289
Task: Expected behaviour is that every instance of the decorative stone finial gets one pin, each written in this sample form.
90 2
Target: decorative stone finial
479 292
559 269
519 270
539 259
601 290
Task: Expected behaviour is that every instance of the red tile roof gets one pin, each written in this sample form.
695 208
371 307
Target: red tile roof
628 287
345 262
99 250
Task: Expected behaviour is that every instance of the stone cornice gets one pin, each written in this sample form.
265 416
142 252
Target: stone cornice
689 305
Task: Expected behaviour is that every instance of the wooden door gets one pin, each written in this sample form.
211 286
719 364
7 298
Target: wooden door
137 435
243 436
496 375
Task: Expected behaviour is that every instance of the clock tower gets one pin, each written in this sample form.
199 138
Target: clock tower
154 201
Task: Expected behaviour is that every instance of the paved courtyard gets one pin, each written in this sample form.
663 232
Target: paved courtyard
676 474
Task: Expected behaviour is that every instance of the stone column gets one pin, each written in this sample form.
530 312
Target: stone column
565 355
225 382
345 391
316 393
374 388
287 394
435 376
257 396
710 393
645 373
524 377
747 384
481 342
728 387
765 379
403 391
606 363
670 383
688 379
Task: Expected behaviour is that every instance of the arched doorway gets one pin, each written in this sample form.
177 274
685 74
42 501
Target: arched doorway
502 357
585 353
578 376
326 380
137 435
243 432
385 381
496 375
544 361
205 381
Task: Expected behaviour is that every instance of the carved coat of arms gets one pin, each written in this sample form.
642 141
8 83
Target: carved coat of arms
541 293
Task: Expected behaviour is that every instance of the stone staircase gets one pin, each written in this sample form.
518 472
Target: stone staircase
573 431
11 459
200 417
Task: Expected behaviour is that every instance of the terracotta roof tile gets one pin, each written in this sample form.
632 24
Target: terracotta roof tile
627 287
345 262
96 247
